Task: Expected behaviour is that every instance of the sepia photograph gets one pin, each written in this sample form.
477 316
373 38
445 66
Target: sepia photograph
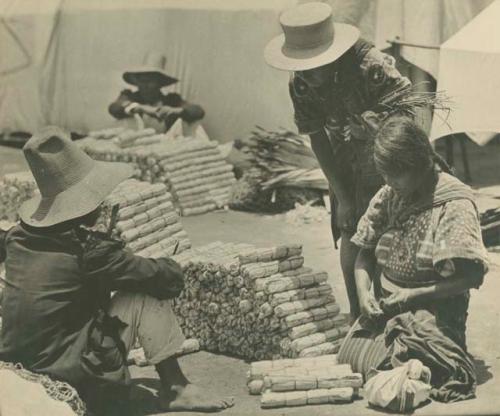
249 207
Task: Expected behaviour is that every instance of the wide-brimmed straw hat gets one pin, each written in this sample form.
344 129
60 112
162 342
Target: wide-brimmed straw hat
71 184
154 64
310 38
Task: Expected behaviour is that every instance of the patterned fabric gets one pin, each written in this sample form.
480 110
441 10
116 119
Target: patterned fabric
417 246
417 243
363 349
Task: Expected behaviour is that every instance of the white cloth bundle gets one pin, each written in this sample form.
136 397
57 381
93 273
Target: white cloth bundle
401 389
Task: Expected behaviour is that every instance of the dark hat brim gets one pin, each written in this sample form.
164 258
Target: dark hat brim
79 200
279 56
130 76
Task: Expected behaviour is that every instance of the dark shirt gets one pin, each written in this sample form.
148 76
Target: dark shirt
191 112
365 88
58 286
364 79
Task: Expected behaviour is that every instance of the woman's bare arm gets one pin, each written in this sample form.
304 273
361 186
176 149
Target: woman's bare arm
468 275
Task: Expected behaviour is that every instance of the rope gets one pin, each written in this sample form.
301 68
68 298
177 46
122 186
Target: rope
57 390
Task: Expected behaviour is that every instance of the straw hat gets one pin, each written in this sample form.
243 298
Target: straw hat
310 38
154 64
71 184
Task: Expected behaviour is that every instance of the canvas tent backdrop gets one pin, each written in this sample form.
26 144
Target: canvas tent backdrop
62 61
469 72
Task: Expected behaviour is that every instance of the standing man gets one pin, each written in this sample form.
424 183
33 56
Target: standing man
341 88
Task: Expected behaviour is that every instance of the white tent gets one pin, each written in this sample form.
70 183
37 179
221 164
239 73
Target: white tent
469 73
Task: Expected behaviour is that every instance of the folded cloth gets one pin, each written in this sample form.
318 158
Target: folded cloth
418 335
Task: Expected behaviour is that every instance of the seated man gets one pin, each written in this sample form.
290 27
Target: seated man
158 110
59 317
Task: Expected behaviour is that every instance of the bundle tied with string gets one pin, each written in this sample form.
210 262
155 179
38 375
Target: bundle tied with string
193 169
258 303
143 216
303 381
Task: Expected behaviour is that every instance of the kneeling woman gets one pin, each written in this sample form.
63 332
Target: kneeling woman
421 252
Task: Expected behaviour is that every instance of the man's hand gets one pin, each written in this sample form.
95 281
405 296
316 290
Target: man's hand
163 112
346 216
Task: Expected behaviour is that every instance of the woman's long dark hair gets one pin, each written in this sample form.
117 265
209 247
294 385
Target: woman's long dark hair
402 146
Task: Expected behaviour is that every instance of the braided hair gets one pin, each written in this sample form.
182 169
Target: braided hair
402 146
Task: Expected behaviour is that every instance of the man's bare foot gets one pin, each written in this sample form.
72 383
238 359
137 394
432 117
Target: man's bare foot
192 398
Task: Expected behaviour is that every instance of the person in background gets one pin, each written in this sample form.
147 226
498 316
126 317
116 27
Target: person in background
421 252
157 109
59 317
341 89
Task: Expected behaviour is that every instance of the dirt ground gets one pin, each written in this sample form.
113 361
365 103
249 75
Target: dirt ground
226 376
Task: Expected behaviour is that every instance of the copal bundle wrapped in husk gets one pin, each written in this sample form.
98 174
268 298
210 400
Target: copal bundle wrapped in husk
303 381
194 170
146 220
257 303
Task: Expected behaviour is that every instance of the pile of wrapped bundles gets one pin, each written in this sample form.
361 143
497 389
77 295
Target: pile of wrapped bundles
303 381
258 303
15 188
194 169
146 219
147 222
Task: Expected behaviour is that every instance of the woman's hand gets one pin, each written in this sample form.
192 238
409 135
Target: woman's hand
369 305
398 301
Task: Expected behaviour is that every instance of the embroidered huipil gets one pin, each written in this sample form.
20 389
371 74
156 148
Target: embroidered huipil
416 243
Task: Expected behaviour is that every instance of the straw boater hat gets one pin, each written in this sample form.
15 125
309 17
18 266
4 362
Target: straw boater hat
310 38
71 184
154 64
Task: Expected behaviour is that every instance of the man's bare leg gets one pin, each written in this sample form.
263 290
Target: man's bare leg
178 394
348 253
